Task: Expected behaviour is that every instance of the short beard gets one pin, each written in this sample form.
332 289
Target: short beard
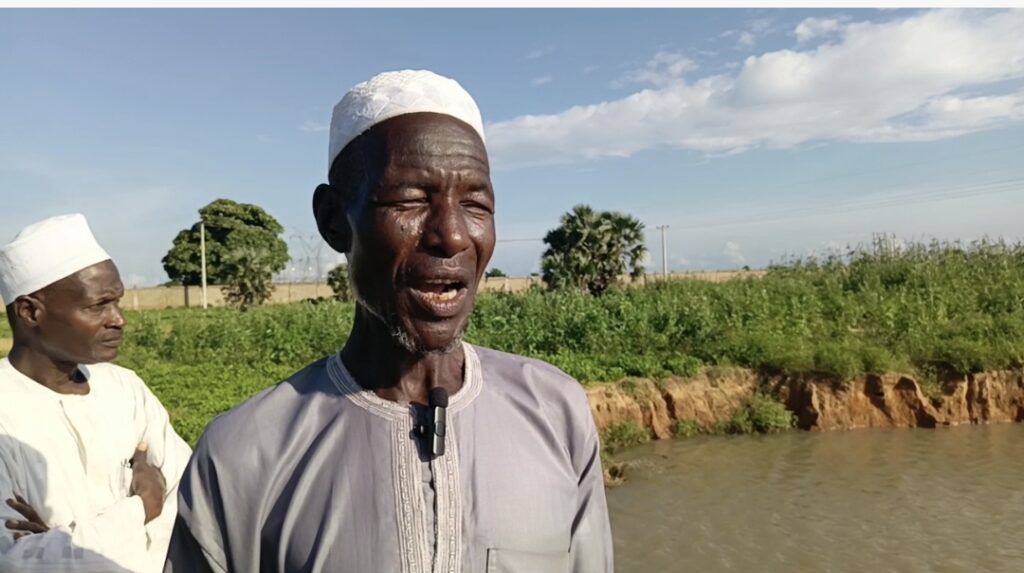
404 339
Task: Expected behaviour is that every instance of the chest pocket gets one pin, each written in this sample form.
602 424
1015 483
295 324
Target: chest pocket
511 561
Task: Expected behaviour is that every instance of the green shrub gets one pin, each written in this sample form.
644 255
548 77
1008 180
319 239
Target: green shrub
687 428
623 435
337 279
760 415
840 360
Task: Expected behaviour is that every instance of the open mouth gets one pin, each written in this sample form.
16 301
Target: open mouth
441 297
440 290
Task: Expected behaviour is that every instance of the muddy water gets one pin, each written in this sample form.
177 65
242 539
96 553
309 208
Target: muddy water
948 500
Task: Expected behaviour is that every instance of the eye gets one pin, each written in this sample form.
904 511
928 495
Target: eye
402 198
103 304
411 203
479 200
478 207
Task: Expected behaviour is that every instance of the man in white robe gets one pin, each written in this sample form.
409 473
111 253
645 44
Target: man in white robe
89 463
409 451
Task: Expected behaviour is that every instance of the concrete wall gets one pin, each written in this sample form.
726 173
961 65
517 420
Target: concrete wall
517 284
174 297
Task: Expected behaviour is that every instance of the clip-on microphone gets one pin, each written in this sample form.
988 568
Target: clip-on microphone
437 420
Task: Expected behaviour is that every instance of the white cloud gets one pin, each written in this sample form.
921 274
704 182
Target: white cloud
733 253
541 80
314 126
662 69
760 25
891 81
590 69
754 29
811 28
539 53
950 112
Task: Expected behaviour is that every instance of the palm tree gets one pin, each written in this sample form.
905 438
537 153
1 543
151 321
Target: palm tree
590 250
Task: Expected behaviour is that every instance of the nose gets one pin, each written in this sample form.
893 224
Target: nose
116 317
446 232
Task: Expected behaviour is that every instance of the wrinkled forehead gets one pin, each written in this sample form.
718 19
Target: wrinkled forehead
97 280
425 140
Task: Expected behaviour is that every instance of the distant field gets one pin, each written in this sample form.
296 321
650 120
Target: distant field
924 310
285 293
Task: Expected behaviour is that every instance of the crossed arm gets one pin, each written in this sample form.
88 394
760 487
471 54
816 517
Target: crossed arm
118 537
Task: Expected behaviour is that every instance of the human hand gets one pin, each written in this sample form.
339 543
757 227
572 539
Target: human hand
148 483
32 522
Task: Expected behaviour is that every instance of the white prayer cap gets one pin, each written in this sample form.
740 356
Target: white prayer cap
45 252
391 94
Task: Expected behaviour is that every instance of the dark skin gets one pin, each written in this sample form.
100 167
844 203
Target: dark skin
418 232
76 320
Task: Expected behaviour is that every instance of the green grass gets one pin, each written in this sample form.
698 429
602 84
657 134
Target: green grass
687 428
926 310
946 306
760 415
623 435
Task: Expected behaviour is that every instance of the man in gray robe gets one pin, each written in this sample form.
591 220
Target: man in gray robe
344 467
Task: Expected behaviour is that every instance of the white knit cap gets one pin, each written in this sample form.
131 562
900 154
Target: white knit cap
45 252
391 94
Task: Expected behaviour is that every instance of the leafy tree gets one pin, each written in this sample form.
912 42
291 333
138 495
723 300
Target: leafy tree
495 273
243 251
337 279
591 249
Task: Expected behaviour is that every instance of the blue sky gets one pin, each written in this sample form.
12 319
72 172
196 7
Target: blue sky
753 133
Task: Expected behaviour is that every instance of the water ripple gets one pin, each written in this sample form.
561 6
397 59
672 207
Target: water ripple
948 500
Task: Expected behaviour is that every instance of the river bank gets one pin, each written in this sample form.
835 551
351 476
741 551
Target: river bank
635 410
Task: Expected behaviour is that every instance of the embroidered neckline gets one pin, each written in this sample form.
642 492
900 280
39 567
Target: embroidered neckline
440 550
472 383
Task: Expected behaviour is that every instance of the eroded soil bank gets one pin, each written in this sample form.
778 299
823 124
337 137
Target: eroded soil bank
892 400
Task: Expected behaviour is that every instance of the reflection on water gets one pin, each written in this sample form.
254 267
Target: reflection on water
944 501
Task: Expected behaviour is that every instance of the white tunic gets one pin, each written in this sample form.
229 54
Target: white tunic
67 456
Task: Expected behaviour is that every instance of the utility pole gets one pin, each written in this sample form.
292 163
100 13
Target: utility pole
202 257
664 252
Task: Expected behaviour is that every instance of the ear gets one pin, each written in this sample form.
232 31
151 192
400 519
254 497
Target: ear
329 211
29 310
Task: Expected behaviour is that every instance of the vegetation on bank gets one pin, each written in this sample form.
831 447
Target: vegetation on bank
761 414
924 309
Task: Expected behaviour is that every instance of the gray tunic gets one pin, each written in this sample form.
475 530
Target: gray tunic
316 474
